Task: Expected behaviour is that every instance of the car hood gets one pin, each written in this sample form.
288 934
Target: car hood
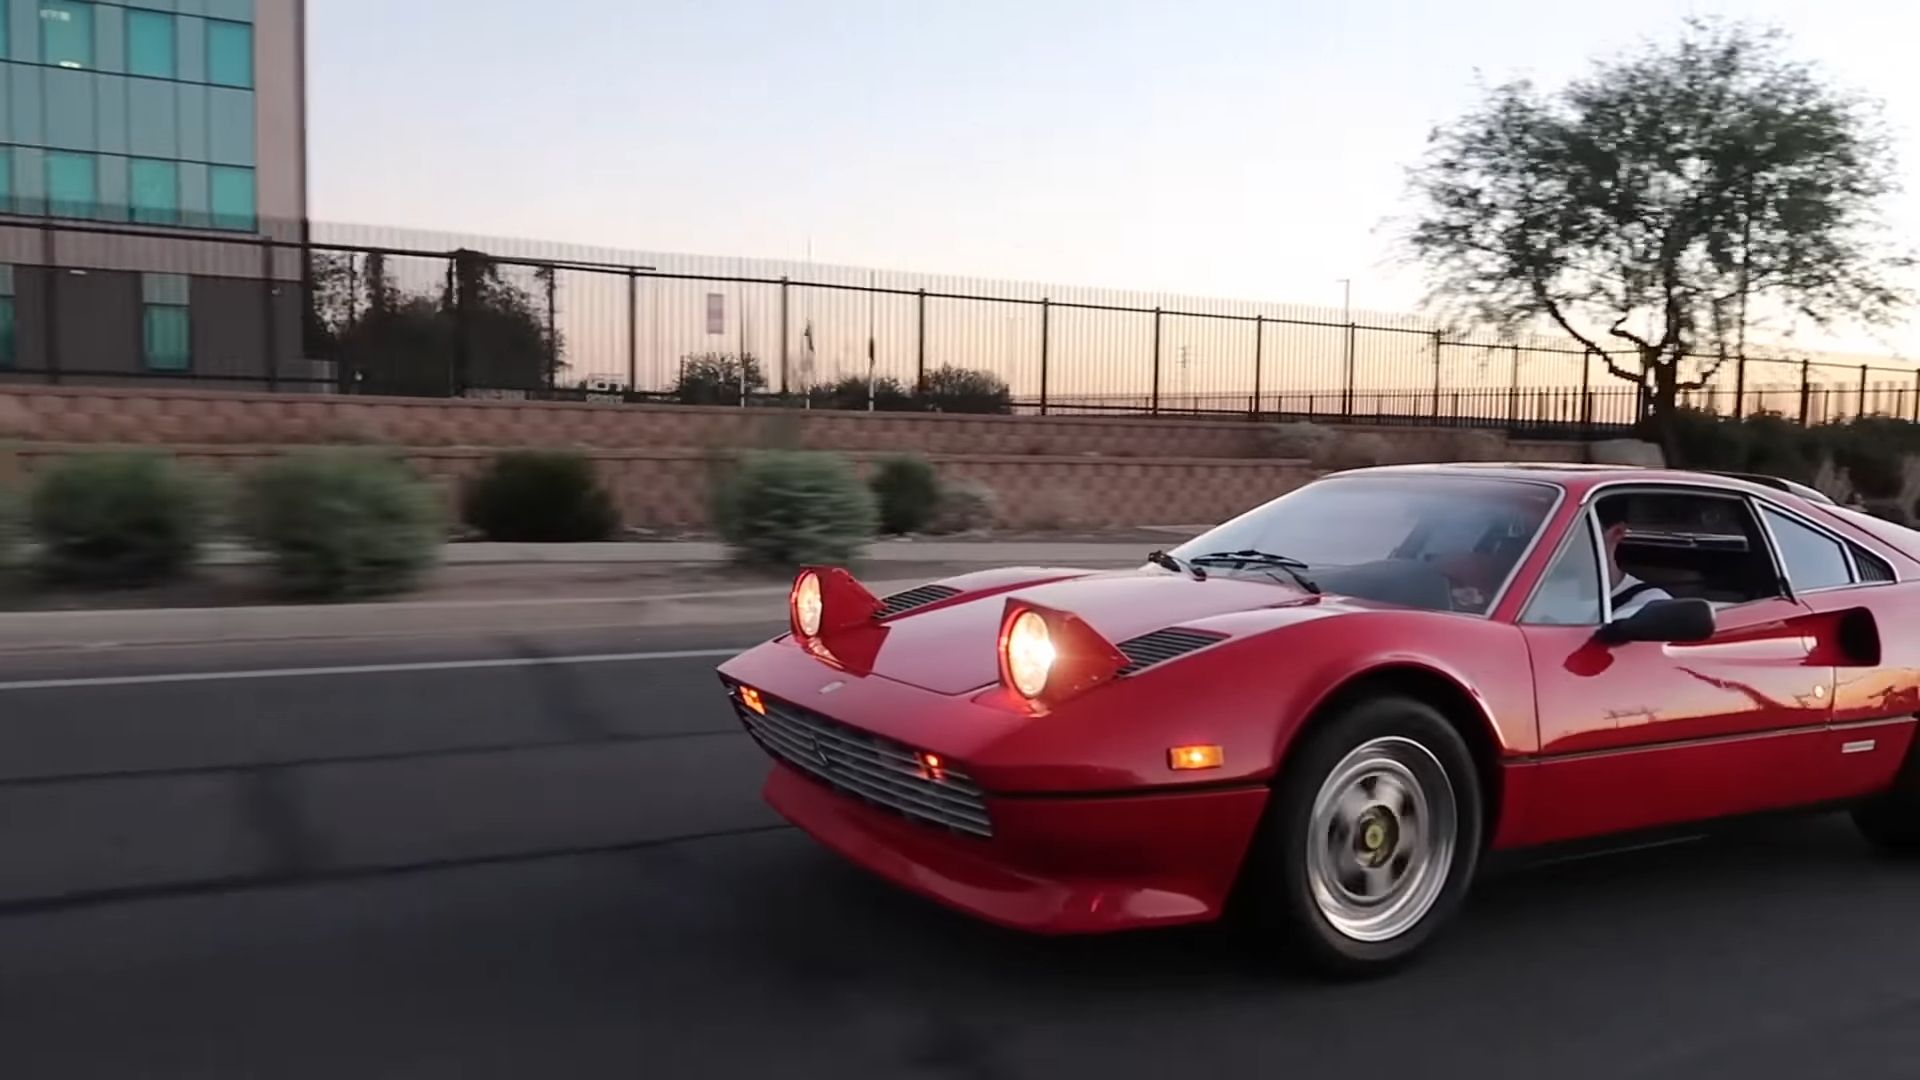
951 648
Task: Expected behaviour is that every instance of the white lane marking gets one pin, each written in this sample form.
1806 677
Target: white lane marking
365 669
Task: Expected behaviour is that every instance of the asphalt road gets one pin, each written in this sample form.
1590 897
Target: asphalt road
517 868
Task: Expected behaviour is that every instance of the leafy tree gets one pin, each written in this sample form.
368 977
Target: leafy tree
1654 208
477 330
965 390
716 378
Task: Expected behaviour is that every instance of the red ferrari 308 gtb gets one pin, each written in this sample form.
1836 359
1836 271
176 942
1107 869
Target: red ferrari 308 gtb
1331 707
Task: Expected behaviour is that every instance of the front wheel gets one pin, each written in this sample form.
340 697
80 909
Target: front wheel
1371 838
1891 822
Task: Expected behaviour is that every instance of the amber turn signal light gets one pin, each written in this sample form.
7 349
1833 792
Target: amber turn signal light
1195 757
751 699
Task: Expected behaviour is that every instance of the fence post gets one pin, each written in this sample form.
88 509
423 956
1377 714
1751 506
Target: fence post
1046 310
1438 344
268 316
786 346
1155 407
1586 394
1346 399
553 326
633 330
50 303
1863 391
1513 392
1916 396
457 282
1259 326
1806 390
1740 386
920 348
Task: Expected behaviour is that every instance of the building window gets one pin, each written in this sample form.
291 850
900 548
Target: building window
155 191
73 185
229 54
150 44
166 321
232 198
6 159
6 306
66 33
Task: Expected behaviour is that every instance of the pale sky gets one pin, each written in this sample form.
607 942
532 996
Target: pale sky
1231 148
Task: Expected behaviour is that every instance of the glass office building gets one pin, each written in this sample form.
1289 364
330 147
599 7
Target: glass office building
146 149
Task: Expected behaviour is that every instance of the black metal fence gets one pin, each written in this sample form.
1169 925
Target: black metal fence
353 310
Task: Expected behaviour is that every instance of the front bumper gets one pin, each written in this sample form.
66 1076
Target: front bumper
1079 865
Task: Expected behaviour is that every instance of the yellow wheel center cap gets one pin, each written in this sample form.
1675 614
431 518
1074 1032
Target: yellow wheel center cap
1376 835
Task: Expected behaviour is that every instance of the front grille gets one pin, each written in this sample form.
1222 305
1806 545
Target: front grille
867 767
902 602
1162 645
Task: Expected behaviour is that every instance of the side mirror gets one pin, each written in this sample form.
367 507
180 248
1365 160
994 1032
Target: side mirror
1664 621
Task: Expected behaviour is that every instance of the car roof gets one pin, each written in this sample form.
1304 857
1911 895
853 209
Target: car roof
1579 478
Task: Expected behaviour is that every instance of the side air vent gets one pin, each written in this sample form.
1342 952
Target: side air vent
1872 567
902 602
1162 645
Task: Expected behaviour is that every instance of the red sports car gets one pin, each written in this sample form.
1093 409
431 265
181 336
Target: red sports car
1329 709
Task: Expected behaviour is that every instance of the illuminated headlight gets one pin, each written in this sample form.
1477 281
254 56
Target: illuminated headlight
1030 653
806 604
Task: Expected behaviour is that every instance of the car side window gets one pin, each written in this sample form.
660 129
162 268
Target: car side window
1813 560
1569 594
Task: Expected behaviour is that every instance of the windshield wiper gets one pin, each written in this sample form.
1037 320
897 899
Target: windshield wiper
1173 562
1252 557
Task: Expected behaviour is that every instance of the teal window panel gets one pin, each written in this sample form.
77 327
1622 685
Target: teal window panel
236 10
23 30
153 118
229 54
230 127
196 204
110 38
156 192
175 289
232 195
167 334
66 33
6 193
153 5
29 179
23 101
189 7
191 34
114 196
8 334
6 30
193 123
152 48
73 185
110 129
70 109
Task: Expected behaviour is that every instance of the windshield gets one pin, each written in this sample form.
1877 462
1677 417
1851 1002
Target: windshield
1442 543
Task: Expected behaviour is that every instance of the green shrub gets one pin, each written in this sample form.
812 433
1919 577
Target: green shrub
342 523
9 527
540 497
907 492
963 390
965 506
123 519
852 392
784 508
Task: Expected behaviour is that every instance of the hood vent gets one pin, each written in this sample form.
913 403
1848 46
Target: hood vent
1162 645
902 602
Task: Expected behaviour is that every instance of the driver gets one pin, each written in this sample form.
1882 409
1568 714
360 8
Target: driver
1630 594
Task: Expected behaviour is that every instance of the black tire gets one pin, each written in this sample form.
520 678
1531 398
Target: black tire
1891 822
1280 899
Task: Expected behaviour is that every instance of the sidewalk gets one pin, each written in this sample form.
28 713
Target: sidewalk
489 588
982 552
